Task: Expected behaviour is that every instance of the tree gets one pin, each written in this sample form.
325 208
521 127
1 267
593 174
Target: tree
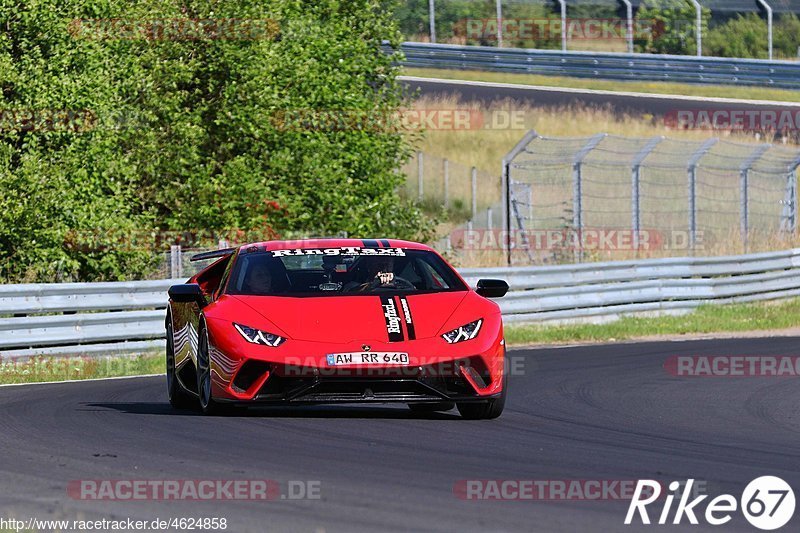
189 133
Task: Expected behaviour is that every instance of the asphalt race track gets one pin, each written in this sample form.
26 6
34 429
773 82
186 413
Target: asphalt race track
632 103
605 412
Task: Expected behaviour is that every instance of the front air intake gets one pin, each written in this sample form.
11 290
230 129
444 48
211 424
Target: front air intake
248 374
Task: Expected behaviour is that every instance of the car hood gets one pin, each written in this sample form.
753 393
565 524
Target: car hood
343 319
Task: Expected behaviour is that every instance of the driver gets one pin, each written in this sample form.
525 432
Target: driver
379 274
259 279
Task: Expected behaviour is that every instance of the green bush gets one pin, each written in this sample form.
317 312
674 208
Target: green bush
742 36
745 35
786 38
187 133
672 25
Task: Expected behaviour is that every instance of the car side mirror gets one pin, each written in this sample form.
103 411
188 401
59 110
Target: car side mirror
187 293
492 288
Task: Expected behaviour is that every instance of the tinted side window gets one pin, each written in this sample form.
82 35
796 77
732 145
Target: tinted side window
225 276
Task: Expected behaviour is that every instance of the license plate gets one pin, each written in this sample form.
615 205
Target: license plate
367 358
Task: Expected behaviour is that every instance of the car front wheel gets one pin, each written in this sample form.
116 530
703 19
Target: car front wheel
178 397
207 404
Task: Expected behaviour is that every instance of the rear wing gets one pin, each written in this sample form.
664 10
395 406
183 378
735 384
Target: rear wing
213 254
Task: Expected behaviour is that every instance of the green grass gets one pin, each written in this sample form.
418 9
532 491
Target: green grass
706 319
685 89
43 369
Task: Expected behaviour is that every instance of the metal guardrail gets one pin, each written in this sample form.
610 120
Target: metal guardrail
94 319
106 318
609 290
606 65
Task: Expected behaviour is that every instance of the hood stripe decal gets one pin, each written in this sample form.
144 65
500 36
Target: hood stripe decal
370 243
407 317
393 323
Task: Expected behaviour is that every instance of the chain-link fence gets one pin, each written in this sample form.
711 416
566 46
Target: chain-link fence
464 193
606 196
653 26
602 197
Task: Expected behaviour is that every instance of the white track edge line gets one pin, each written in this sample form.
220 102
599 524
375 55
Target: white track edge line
80 380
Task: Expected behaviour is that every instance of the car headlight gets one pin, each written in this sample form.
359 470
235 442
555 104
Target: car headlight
464 333
256 336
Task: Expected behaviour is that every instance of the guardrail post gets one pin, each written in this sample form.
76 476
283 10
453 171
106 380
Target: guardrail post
769 25
793 203
420 174
744 191
499 9
699 30
446 179
636 217
175 262
692 168
474 187
577 207
563 25
505 181
629 32
432 19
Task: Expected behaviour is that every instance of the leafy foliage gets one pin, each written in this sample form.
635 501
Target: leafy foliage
673 26
743 36
183 133
747 36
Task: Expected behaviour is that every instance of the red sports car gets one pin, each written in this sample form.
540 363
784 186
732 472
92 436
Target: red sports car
335 320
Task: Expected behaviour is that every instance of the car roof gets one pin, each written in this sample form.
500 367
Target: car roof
333 243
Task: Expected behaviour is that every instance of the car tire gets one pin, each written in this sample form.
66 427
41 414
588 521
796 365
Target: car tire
204 390
485 410
178 397
431 407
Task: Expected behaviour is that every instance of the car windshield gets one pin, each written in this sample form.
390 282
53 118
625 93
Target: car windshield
341 271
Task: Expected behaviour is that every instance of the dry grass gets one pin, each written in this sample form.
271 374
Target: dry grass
587 45
485 147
